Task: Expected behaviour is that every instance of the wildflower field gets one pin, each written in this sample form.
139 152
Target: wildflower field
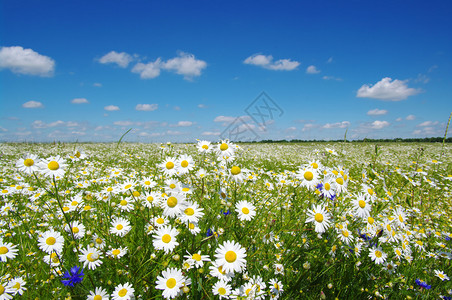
225 220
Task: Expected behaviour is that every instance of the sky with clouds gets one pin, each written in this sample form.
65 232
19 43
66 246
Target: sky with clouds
245 70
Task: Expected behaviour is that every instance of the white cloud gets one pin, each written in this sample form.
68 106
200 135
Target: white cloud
379 124
79 101
97 84
149 70
330 60
312 70
428 123
266 62
331 78
3 129
123 123
121 59
146 107
184 123
171 132
411 117
32 104
185 64
177 108
399 119
111 107
26 61
59 123
201 106
224 119
343 124
309 126
377 112
210 133
387 89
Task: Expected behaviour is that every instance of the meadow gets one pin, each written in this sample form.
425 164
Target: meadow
223 220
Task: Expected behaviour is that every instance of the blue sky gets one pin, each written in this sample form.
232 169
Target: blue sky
185 70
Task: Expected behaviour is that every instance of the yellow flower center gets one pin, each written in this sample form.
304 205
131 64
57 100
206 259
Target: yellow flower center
335 172
172 186
172 201
150 199
2 289
166 238
345 233
191 226
370 191
315 165
136 194
99 240
340 181
122 293
119 227
50 241
77 154
318 217
222 291
97 297
420 243
123 202
327 186
400 218
247 292
196 257
65 208
308 175
87 207
160 221
370 220
184 164
169 165
116 252
3 250
245 210
224 147
378 254
362 203
53 165
235 170
75 230
170 283
29 162
128 186
205 147
189 211
16 285
230 256
92 257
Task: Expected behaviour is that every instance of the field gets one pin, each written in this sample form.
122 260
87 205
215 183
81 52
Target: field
225 220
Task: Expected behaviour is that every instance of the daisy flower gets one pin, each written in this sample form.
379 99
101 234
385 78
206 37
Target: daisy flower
185 164
120 226
123 292
320 217
222 289
117 252
441 275
90 257
225 148
51 241
204 147
361 206
151 199
99 243
160 221
148 182
126 204
7 251
17 284
328 188
194 228
171 281
165 239
400 216
377 255
218 272
345 235
28 163
78 229
168 166
309 177
237 174
276 287
126 186
192 212
245 210
52 166
6 291
98 294
174 205
52 259
197 259
231 256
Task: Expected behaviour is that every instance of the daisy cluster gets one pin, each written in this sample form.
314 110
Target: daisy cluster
219 220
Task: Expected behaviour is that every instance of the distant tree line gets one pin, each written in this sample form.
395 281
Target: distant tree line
365 140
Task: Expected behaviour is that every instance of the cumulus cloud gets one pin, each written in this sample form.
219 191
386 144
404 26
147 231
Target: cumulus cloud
123 123
377 112
146 107
312 70
428 123
266 62
379 124
121 59
149 70
97 84
343 124
185 64
309 126
410 117
79 101
32 104
224 119
387 89
111 107
26 61
38 124
331 78
201 106
210 133
184 123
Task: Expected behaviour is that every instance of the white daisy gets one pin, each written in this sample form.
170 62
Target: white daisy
320 217
17 284
171 282
51 241
98 294
441 275
52 166
231 256
123 292
7 251
361 206
77 228
120 226
204 147
185 164
165 239
28 163
174 205
246 211
192 212
222 289
377 255
169 166
90 257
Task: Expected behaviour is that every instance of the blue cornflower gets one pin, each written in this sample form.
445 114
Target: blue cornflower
73 276
447 298
225 213
423 284
209 232
319 186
